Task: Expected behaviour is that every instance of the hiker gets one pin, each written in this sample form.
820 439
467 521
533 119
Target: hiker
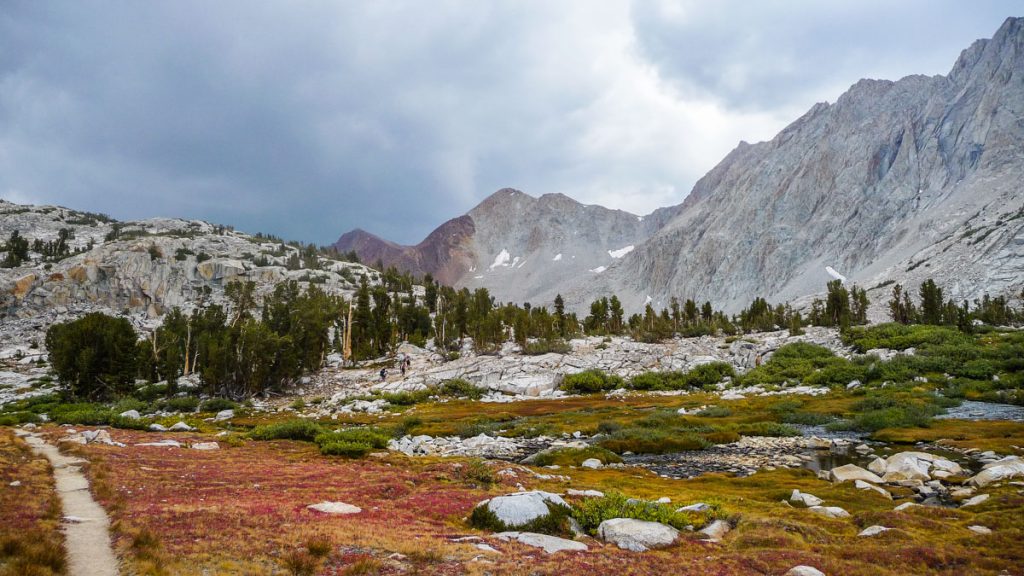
401 366
383 374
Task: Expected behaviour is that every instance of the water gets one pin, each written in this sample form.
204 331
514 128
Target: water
969 410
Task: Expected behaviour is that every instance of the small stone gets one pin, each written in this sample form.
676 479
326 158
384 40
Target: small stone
905 506
132 414
592 463
157 428
984 531
550 544
181 427
698 507
224 415
584 493
873 530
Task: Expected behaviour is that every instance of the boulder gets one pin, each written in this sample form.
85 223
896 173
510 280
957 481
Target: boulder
584 493
862 485
162 444
975 500
804 571
521 508
637 535
873 530
905 506
982 530
550 544
716 530
154 427
335 508
205 446
807 500
133 414
1009 467
830 511
698 507
877 466
224 415
181 427
916 466
592 463
851 472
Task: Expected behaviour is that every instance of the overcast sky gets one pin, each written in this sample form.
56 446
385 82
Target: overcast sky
306 119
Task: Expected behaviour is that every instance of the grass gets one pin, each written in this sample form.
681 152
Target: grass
242 511
575 456
30 539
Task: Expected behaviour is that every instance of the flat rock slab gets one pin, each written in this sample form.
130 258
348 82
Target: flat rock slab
637 535
550 544
335 508
86 526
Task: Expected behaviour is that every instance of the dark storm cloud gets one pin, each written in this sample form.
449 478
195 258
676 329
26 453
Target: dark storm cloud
308 119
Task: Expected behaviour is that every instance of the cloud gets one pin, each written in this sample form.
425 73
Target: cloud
309 119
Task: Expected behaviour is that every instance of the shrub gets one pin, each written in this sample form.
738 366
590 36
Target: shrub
126 404
766 429
653 441
345 448
476 471
297 429
372 437
217 404
459 388
590 381
182 404
547 346
590 512
715 412
300 563
319 546
703 376
574 456
407 398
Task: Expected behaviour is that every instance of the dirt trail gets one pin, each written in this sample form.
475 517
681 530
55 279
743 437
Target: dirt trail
86 526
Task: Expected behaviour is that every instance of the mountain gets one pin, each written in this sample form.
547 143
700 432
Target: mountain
894 182
519 247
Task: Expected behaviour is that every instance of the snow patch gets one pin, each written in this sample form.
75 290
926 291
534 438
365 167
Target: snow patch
599 269
501 259
557 257
832 272
514 262
620 252
648 300
477 277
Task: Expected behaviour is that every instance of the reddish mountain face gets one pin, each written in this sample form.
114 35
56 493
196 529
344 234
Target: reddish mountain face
445 253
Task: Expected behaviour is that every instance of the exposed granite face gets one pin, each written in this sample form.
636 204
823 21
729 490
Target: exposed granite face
896 181
154 266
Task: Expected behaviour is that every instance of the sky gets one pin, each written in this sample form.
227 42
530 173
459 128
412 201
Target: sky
306 119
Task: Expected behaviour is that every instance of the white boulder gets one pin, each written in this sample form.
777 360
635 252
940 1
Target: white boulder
716 530
592 463
873 530
637 535
1004 469
830 511
521 508
550 544
335 508
804 571
807 500
851 472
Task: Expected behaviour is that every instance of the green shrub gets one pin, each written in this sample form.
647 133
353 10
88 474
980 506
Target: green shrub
900 337
407 398
345 448
766 429
574 456
372 437
806 418
94 356
653 441
590 381
476 471
715 412
590 512
126 404
217 404
129 423
181 404
297 429
547 346
703 376
459 388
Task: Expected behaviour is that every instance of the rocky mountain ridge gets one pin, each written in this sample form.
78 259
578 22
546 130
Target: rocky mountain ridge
897 181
